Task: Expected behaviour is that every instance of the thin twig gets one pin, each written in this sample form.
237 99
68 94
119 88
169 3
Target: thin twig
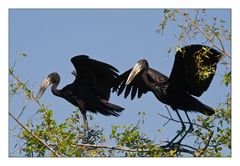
169 115
25 88
193 22
200 151
174 120
168 112
24 107
197 152
40 140
220 41
196 16
215 45
209 139
184 150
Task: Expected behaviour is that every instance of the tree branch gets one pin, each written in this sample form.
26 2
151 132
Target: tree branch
137 150
25 88
215 45
40 140
194 23
197 152
181 150
178 121
113 148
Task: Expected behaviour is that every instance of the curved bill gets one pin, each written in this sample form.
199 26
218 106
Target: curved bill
43 87
135 71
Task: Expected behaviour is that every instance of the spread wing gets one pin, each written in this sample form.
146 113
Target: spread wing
194 68
137 85
94 73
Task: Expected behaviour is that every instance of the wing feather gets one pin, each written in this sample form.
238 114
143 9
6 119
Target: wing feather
137 85
189 66
95 73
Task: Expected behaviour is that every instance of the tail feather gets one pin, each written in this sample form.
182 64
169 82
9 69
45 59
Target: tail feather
112 109
204 109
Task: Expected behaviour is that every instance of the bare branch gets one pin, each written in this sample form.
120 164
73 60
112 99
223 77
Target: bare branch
178 121
180 150
196 16
113 148
196 152
220 41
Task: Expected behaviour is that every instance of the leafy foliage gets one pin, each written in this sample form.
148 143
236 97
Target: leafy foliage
212 135
213 31
63 138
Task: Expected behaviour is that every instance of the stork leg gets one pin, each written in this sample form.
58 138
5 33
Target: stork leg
182 130
85 124
189 129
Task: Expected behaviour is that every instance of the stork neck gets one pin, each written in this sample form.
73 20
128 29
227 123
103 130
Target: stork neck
54 89
147 82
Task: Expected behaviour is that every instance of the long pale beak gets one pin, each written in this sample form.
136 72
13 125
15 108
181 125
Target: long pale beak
43 87
136 69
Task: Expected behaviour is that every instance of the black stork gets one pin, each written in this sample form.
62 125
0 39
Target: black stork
90 91
193 70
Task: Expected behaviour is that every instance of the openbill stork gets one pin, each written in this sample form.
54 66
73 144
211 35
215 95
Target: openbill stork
90 91
193 70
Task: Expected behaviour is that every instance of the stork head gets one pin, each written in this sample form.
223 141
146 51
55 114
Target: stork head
52 78
139 67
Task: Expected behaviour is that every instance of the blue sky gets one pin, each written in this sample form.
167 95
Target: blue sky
119 37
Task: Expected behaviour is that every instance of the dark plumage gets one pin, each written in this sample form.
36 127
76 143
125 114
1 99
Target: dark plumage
186 79
90 91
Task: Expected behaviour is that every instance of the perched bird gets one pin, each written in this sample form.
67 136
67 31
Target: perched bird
193 70
90 91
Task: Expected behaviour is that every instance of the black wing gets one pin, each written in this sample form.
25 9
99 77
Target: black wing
194 68
137 85
94 73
